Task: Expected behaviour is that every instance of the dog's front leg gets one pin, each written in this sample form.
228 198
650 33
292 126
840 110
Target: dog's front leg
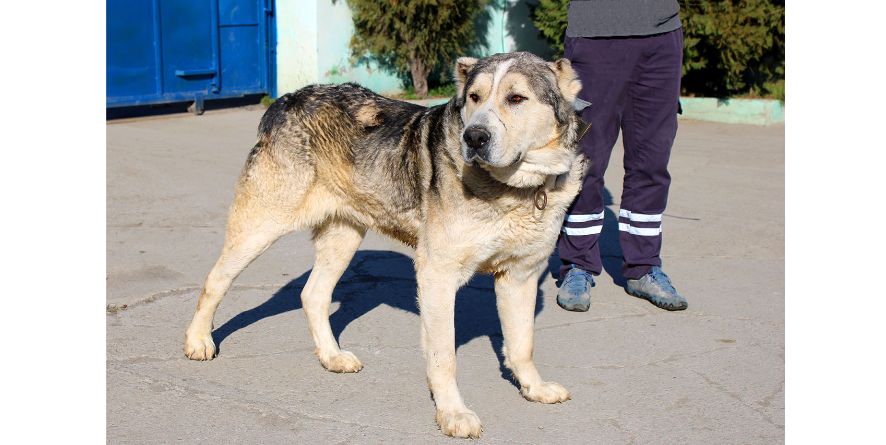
436 296
515 292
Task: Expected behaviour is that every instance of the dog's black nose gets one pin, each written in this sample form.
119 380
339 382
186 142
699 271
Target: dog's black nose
476 137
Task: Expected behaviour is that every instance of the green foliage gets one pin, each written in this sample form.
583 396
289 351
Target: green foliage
775 88
414 36
731 47
550 17
266 101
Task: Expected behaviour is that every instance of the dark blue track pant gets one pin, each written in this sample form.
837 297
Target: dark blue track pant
633 84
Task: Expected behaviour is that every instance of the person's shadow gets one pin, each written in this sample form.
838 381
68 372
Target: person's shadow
376 278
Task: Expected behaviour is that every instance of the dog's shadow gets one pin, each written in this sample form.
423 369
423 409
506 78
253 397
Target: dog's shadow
376 278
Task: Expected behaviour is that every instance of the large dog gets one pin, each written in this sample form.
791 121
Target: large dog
480 184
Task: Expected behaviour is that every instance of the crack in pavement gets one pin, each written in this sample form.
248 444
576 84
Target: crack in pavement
115 308
722 388
591 320
165 226
149 359
632 439
767 401
669 359
261 408
265 409
659 313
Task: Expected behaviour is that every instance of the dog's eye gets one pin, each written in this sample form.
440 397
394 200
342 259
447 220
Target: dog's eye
474 97
515 99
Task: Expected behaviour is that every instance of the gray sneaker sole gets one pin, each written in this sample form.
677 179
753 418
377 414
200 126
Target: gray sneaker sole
668 306
574 308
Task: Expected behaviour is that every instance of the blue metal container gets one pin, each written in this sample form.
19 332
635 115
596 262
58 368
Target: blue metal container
162 51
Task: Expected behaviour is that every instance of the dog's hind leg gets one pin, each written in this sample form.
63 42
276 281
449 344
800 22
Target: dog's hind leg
335 243
243 244
261 213
515 292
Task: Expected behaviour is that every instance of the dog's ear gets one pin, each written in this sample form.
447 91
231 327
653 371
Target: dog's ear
463 66
567 79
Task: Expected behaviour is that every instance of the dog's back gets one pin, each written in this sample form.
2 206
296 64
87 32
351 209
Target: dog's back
356 154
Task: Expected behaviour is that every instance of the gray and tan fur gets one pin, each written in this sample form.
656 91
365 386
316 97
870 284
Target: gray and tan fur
341 160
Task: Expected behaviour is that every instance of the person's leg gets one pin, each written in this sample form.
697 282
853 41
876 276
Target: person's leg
604 67
649 128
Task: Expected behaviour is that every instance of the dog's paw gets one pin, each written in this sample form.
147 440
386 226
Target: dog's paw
546 392
463 424
344 361
199 347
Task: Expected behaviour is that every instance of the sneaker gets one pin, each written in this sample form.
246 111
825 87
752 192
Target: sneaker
656 287
575 291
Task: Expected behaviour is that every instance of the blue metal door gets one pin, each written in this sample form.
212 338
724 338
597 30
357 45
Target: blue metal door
176 50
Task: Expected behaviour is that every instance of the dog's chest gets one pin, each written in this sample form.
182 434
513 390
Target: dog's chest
527 234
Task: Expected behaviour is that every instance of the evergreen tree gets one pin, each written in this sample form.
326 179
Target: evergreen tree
550 17
734 47
414 35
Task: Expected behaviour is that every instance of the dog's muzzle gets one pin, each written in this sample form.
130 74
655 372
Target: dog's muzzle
477 140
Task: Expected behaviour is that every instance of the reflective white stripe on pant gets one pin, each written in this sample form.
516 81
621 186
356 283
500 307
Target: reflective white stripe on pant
642 231
578 231
584 218
639 217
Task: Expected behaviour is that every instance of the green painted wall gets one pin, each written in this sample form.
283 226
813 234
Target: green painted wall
733 111
335 29
297 40
509 28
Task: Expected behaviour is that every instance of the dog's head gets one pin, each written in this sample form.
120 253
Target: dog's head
516 109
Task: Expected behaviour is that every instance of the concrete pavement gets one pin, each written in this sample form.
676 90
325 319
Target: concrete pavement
711 374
